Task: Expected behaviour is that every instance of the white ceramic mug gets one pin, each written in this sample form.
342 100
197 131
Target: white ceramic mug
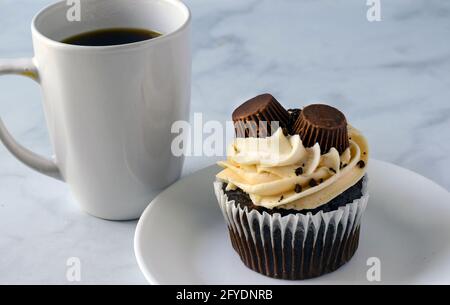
109 109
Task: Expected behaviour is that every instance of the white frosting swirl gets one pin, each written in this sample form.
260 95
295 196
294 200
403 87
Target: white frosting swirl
278 171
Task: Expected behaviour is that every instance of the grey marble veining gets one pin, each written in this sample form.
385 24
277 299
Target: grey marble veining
391 79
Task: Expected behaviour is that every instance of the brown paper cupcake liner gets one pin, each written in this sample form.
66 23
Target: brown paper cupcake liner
295 246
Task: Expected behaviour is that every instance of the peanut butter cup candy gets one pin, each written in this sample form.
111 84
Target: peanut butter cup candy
322 124
259 117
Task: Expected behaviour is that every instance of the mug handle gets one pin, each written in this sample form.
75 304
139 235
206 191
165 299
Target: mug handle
25 67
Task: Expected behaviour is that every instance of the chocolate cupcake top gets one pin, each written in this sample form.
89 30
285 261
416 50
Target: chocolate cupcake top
321 158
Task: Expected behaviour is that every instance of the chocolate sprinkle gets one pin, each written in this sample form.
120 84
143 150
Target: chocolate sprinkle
299 171
361 164
332 169
321 180
293 115
281 198
298 188
312 183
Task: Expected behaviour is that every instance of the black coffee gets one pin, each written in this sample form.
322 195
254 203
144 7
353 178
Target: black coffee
110 37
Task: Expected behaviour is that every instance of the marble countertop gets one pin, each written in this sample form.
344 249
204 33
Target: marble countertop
391 78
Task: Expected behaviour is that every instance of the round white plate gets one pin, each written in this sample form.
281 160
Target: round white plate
182 238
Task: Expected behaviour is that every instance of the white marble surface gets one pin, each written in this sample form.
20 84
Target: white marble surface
391 78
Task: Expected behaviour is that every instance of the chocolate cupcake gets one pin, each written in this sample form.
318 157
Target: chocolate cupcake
293 201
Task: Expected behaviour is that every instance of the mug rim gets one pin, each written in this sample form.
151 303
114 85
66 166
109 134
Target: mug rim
143 43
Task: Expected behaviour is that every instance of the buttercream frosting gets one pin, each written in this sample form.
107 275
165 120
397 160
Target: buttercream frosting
280 172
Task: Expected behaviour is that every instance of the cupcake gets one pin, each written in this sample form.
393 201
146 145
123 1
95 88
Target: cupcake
293 188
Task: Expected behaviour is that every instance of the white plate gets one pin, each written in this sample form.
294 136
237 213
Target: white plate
182 238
